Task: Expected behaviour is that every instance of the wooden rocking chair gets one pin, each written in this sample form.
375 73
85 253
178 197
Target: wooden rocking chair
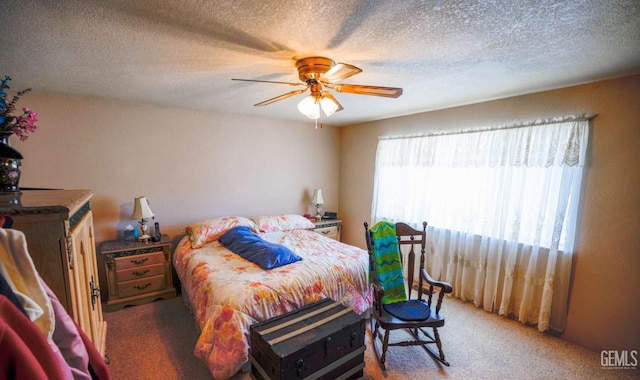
415 315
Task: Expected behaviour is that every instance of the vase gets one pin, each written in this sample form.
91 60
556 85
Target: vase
10 165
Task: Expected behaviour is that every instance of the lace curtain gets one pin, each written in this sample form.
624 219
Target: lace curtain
502 206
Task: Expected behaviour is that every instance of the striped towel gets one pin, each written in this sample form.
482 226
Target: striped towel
386 255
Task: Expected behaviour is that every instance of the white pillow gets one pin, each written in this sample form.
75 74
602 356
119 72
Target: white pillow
282 222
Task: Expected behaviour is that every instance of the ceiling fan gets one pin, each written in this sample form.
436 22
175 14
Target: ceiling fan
321 75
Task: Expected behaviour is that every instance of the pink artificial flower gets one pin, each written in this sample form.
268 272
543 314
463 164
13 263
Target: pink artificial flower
20 125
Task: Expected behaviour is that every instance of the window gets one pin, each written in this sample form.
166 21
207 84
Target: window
516 188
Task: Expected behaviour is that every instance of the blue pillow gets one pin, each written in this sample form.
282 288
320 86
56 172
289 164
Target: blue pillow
242 241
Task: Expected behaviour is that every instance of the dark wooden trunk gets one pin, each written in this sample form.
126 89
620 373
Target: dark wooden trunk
324 340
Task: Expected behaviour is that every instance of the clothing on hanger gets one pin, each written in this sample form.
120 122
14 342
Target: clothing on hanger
18 270
23 292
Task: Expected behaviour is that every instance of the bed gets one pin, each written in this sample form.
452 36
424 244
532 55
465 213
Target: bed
227 293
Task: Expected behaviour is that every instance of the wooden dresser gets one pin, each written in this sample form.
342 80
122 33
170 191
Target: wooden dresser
58 226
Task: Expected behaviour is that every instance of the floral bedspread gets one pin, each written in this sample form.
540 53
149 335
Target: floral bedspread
228 293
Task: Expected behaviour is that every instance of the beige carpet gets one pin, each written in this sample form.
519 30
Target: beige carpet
156 340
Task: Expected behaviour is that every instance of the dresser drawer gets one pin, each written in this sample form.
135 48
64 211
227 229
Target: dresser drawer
139 260
139 272
330 232
141 286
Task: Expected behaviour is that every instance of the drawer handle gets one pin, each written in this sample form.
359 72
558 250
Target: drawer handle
142 287
325 232
352 340
301 367
327 348
95 293
140 273
139 261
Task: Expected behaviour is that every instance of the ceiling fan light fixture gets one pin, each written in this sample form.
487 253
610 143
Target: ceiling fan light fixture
329 107
309 107
319 75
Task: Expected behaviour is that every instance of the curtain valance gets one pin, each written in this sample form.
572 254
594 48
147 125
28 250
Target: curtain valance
542 143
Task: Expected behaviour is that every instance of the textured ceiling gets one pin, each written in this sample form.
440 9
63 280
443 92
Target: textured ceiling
442 53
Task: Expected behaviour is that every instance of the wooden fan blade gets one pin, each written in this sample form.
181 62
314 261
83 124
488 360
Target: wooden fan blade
340 71
270 81
329 95
277 98
388 92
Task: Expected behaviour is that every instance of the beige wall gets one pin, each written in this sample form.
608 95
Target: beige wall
190 165
605 297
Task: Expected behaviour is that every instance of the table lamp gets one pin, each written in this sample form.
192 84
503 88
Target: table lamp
142 212
317 200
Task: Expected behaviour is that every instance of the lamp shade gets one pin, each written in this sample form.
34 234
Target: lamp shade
328 106
141 209
309 107
316 199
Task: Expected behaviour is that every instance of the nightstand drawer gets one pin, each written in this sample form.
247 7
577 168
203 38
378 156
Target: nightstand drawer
139 272
141 286
139 260
330 232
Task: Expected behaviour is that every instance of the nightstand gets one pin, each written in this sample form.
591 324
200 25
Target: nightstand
329 227
137 272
